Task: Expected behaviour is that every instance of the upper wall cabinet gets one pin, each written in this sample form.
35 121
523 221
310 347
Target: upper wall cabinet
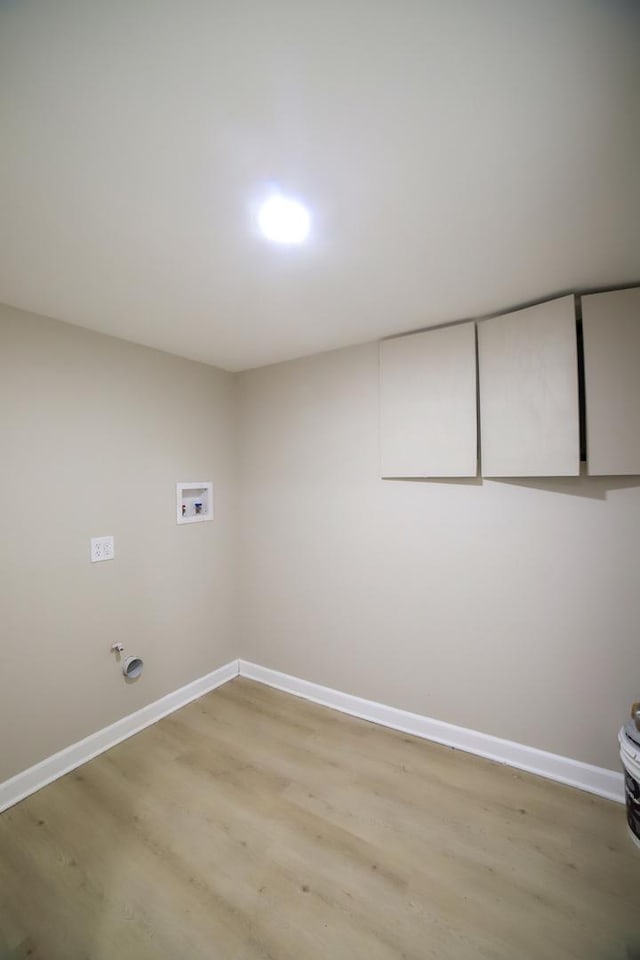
611 332
528 369
428 418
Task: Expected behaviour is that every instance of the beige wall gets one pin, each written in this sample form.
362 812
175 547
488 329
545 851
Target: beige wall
509 607
94 434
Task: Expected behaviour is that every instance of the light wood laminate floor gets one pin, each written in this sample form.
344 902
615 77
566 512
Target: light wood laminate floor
252 824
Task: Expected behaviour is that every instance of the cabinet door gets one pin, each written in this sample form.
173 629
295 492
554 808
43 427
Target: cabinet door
528 370
611 333
428 418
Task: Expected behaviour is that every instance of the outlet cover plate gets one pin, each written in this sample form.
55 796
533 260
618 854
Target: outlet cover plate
102 548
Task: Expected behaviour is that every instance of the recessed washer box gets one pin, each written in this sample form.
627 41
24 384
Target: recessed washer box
194 501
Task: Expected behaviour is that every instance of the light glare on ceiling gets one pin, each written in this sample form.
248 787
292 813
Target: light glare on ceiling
284 220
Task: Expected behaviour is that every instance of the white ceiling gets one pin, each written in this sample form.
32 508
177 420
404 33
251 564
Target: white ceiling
459 157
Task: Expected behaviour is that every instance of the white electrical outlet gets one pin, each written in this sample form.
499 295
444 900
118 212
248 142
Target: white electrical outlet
102 549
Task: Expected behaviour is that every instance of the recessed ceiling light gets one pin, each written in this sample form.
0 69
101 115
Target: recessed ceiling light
284 220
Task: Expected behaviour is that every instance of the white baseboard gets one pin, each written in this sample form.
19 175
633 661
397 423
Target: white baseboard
32 779
574 773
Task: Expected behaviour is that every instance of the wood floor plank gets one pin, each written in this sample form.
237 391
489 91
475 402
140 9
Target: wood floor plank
252 824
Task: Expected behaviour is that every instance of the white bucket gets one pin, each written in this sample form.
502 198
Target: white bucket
630 756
